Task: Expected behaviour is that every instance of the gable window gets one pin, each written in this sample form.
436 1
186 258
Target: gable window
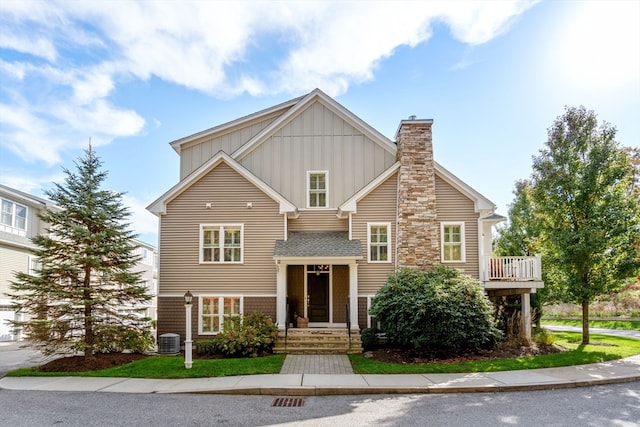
317 189
452 241
13 216
221 243
214 310
379 242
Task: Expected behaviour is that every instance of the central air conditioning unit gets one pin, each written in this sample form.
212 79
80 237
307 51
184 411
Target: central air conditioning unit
169 344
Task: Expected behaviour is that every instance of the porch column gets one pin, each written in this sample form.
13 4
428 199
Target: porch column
281 295
353 294
525 315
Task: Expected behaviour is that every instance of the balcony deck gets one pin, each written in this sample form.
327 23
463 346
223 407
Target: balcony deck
512 272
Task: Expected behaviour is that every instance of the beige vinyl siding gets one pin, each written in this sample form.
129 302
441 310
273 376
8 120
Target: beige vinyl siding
318 139
377 206
318 220
228 193
197 153
454 206
13 259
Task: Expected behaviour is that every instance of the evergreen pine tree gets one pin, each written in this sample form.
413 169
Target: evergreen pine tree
86 260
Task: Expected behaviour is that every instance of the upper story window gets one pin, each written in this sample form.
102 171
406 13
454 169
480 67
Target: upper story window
379 242
221 243
452 241
317 189
13 216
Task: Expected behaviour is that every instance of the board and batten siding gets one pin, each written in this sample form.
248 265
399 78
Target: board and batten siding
318 220
452 205
318 140
228 192
377 206
195 154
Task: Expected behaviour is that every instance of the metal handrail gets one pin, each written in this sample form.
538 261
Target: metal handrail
348 324
286 326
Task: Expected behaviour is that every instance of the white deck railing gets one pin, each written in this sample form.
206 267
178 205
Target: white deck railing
513 268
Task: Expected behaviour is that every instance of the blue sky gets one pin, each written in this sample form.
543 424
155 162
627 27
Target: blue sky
134 76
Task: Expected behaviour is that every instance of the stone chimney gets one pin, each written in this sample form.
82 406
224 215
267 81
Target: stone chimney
417 243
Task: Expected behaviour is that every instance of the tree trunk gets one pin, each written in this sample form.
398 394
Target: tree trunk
585 322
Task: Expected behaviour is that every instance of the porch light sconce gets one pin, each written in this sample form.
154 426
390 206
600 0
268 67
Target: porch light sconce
207 205
188 343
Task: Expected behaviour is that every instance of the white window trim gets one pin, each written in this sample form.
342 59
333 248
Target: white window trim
221 227
463 247
221 298
326 190
379 224
369 316
11 228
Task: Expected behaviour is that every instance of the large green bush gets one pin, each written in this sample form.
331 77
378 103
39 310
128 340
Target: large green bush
442 310
253 336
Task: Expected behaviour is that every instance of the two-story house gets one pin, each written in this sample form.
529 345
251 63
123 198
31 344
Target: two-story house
304 205
19 223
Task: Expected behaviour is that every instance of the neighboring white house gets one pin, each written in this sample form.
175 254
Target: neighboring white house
19 223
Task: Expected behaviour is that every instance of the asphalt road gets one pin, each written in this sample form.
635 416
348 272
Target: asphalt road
612 405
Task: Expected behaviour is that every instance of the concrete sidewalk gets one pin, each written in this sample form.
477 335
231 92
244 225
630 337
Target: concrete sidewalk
307 384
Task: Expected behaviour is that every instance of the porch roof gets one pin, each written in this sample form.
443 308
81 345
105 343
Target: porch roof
330 244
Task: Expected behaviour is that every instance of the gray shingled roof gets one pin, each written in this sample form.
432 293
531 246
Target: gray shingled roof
318 244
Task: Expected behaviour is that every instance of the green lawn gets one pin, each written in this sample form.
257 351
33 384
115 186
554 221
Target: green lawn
173 367
631 325
602 348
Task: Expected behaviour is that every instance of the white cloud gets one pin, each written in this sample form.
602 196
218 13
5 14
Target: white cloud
59 96
143 221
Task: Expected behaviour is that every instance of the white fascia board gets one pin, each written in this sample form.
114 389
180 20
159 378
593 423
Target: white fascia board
25 198
350 206
303 103
179 143
481 203
159 206
301 260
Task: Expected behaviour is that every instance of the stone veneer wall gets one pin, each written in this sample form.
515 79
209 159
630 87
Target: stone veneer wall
417 241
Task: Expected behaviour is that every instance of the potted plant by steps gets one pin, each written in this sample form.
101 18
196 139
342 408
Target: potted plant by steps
302 322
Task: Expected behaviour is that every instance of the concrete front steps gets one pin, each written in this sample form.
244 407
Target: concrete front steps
318 341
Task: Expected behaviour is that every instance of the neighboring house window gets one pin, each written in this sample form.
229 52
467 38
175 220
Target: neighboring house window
221 243
452 237
379 242
214 310
34 265
13 216
317 185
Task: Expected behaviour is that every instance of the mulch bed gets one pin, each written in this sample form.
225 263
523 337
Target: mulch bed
503 351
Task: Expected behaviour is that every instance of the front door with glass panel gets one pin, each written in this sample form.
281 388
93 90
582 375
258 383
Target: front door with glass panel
318 293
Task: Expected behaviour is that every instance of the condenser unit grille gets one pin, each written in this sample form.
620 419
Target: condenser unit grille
169 344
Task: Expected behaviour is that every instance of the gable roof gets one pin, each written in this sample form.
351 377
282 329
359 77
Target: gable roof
276 110
159 206
303 103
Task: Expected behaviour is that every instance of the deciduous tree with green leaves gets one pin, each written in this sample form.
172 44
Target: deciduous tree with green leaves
590 222
86 261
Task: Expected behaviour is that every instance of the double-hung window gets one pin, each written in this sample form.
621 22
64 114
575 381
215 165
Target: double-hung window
379 242
13 216
214 310
452 241
317 189
221 243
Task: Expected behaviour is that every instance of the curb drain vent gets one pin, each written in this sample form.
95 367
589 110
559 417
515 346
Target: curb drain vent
287 402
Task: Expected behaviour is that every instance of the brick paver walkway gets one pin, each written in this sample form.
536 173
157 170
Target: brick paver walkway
316 364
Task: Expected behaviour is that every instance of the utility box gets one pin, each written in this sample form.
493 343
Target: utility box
169 344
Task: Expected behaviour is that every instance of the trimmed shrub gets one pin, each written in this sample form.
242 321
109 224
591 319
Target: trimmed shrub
253 336
442 310
205 347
